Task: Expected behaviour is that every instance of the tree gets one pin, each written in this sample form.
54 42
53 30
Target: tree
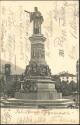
10 88
73 86
2 83
65 88
57 80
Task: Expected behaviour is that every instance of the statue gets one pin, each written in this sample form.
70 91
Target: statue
37 19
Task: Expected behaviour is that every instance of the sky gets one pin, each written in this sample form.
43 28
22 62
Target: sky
60 27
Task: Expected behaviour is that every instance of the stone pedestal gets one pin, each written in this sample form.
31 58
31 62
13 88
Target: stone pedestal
37 49
45 90
37 77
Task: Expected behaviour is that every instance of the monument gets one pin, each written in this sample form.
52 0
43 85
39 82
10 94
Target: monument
37 83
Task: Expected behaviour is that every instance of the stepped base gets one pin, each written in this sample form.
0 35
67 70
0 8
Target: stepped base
45 91
38 96
21 103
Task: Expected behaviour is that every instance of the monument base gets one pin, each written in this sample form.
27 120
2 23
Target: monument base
45 91
38 96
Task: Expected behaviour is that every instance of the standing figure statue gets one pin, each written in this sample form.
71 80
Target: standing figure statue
37 19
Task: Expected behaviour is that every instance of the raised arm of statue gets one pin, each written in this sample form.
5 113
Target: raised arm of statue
27 11
37 20
30 14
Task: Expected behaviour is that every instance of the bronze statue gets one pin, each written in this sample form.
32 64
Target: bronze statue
37 19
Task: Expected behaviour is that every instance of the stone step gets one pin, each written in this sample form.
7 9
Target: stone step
27 105
36 103
32 107
49 104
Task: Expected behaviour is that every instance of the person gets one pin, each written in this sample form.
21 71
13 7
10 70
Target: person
37 19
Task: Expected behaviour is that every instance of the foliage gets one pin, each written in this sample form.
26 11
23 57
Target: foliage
65 87
2 83
11 86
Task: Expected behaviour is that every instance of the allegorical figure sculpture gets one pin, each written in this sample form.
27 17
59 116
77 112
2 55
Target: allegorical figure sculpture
37 19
